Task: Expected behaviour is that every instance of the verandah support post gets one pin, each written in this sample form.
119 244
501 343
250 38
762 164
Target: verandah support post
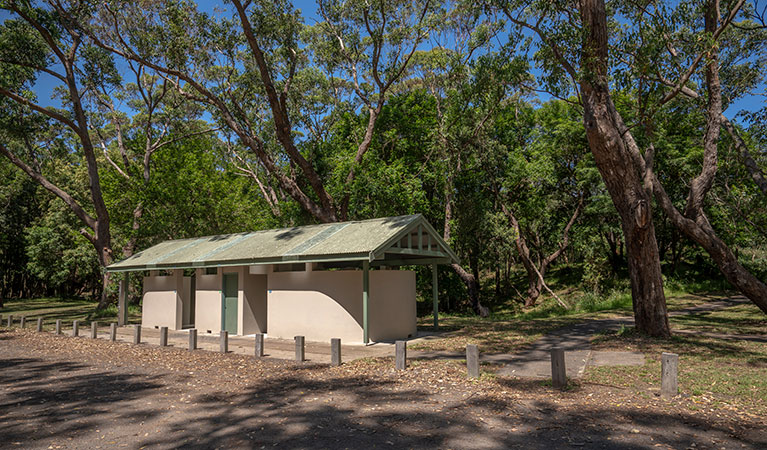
435 294
122 302
365 299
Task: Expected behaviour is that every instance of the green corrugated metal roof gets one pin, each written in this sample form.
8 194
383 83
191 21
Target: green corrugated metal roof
342 241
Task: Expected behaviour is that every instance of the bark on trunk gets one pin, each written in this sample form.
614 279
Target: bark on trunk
621 176
694 222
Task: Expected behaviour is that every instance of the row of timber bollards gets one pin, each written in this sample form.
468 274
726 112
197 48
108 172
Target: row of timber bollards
75 327
669 361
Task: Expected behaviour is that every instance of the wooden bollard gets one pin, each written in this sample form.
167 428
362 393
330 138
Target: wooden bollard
136 334
300 348
224 343
669 386
113 331
335 352
1 320
23 322
75 328
163 336
192 339
10 320
58 326
472 360
558 370
39 324
260 345
400 355
94 330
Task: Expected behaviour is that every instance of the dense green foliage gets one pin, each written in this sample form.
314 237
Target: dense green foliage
186 133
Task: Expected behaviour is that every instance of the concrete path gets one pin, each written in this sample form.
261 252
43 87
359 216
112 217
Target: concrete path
535 362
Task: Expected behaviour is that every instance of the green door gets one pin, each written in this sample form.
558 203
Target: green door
229 307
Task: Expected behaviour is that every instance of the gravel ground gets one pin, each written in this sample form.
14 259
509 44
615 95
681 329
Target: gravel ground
62 392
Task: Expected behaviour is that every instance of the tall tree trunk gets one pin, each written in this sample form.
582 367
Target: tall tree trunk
621 176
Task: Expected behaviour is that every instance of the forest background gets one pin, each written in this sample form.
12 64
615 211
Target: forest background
569 151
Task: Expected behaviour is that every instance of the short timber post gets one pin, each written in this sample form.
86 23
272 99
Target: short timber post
435 295
113 331
75 328
300 348
122 302
137 334
400 355
365 300
668 381
260 345
558 372
58 326
23 322
163 336
94 330
193 339
10 320
39 324
224 343
335 352
472 360
1 320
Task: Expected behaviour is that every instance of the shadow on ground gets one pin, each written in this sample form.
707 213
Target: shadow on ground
47 400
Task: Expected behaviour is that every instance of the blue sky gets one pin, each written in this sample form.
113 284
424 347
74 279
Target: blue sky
45 84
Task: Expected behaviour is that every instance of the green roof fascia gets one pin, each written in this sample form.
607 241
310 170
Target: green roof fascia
242 262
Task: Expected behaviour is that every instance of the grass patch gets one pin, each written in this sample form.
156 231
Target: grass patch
67 310
713 372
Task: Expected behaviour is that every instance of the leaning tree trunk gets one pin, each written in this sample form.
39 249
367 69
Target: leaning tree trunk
621 176
694 223
534 287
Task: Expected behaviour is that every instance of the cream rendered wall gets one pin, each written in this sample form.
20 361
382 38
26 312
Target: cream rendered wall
392 306
328 304
208 302
161 306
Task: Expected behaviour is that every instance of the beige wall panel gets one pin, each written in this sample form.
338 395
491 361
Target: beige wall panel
327 304
161 305
208 303
392 312
317 305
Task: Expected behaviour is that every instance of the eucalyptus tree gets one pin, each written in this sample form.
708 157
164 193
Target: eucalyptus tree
662 49
469 85
40 42
255 71
133 121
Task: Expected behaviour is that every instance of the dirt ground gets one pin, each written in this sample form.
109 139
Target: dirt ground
62 392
